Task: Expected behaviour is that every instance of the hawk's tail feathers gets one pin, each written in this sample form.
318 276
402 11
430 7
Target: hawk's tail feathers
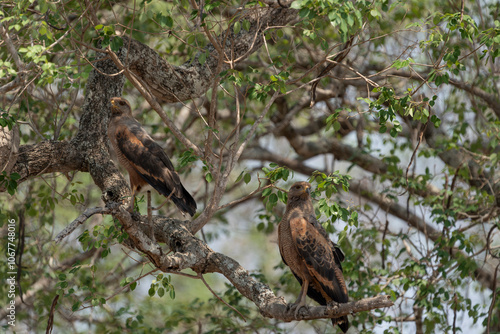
343 323
186 203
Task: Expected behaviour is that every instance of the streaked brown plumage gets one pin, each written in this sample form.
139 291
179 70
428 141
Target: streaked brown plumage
312 257
144 159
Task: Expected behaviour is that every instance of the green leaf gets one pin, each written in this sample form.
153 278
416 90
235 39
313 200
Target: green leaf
208 177
267 192
75 306
202 58
436 121
237 27
273 198
246 25
116 43
297 4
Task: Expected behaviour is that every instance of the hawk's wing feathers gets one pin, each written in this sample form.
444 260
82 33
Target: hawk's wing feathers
149 160
319 257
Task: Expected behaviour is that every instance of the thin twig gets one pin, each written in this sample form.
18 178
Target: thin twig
244 198
50 322
222 300
123 287
80 220
413 155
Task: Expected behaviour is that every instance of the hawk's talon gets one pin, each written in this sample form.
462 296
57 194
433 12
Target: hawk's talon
295 308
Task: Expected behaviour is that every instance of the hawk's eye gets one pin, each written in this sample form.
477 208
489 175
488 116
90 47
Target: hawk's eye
122 103
297 187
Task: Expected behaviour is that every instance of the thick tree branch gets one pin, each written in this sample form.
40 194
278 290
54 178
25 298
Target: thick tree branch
48 157
191 252
171 83
9 147
492 100
78 221
310 148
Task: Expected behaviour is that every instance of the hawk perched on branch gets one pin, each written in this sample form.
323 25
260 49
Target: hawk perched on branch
144 159
312 257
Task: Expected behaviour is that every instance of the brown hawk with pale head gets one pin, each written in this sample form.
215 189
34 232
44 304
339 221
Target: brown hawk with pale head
312 257
144 159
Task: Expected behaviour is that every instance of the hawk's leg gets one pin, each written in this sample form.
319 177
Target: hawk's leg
150 218
301 301
131 206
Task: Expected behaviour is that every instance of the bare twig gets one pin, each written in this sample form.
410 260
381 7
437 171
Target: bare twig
80 220
219 298
50 322
340 56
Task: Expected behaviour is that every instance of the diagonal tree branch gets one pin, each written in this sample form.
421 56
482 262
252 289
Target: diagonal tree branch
191 252
192 79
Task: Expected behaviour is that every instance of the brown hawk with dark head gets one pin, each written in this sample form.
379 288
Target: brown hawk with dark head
312 257
144 159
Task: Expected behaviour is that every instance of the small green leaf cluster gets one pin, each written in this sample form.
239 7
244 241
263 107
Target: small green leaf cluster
36 41
74 197
130 282
274 173
165 21
245 176
161 285
260 92
346 16
400 64
108 37
9 181
332 120
206 169
491 39
68 288
6 120
7 68
186 158
103 236
267 222
388 106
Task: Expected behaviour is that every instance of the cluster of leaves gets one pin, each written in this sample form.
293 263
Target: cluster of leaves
346 16
161 285
103 237
8 181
